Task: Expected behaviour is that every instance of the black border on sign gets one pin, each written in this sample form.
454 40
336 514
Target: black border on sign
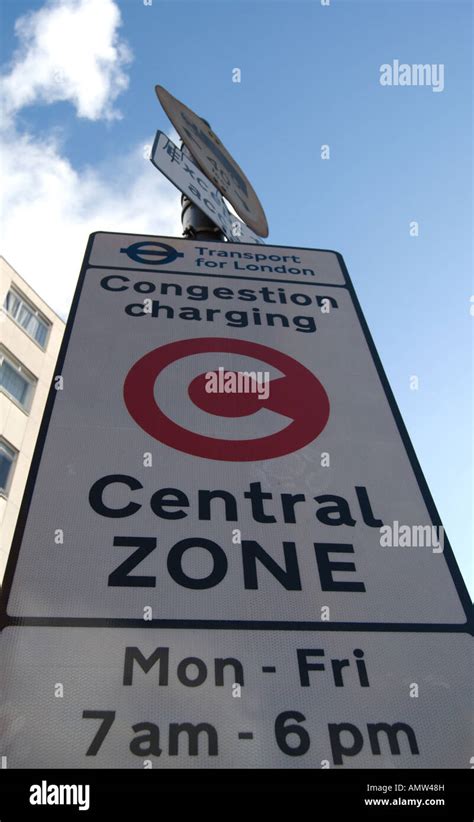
6 620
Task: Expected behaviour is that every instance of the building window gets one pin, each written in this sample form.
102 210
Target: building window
15 381
27 316
7 460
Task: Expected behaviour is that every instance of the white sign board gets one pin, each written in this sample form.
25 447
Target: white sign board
185 175
216 162
136 698
148 495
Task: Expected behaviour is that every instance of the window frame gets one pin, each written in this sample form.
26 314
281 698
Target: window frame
23 301
24 372
6 446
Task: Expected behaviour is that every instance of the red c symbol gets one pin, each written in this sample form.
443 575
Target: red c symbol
298 395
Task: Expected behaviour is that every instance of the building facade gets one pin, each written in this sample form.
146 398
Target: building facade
30 338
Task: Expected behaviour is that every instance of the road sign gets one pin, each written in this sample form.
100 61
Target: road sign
215 161
135 502
135 698
186 176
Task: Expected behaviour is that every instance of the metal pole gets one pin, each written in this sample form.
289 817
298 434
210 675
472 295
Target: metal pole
196 224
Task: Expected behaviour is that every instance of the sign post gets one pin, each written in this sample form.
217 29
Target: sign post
209 206
215 161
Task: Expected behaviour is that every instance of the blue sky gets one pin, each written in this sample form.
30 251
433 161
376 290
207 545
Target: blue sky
77 124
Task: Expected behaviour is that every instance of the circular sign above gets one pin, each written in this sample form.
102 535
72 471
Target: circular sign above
298 395
215 161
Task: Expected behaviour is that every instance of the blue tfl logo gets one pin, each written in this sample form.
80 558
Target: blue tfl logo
151 253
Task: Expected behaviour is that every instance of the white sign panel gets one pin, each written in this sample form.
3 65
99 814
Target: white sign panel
170 254
136 698
296 502
186 176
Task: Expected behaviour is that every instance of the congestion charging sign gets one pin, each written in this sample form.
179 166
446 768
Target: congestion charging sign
222 464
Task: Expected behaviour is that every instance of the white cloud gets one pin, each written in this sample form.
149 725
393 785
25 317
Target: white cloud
50 210
69 50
